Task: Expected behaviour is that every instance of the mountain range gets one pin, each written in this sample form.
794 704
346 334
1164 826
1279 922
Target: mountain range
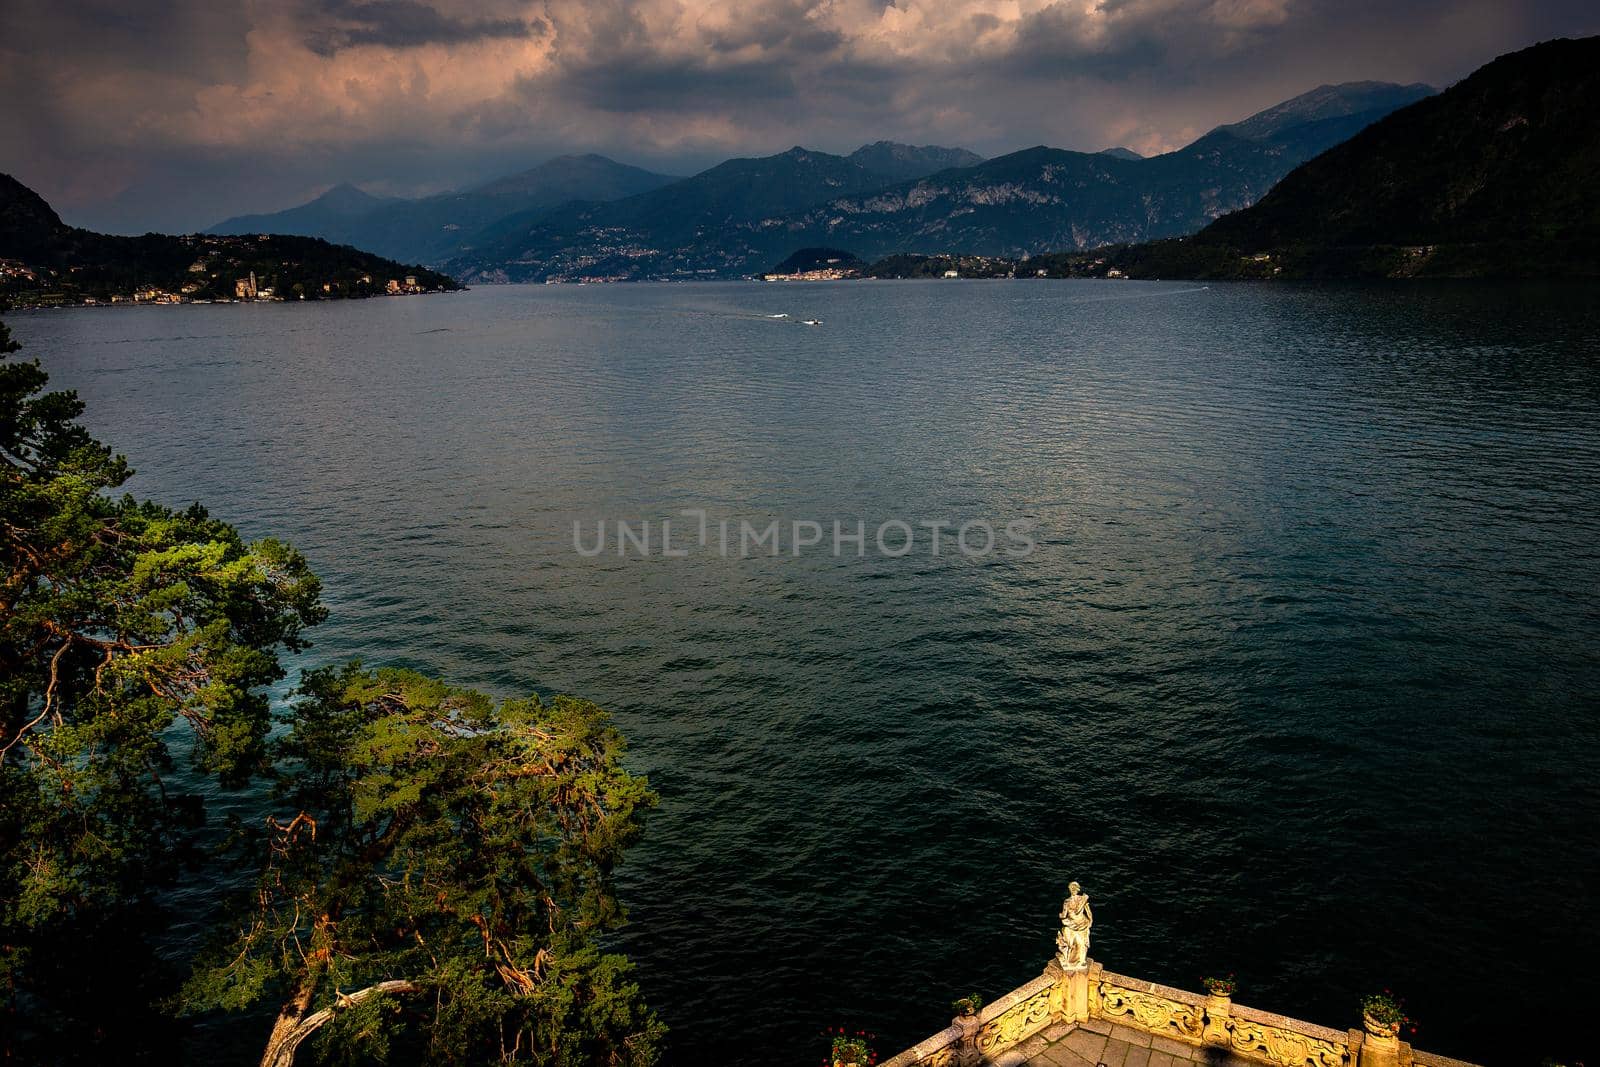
1492 177
745 214
439 228
434 228
588 216
1505 158
327 213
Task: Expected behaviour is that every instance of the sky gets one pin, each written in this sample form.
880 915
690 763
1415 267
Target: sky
135 115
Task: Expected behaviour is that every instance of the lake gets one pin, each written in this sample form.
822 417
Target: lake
1301 678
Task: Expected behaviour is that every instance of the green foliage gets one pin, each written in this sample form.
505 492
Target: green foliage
450 855
465 848
853 1049
118 620
1385 1008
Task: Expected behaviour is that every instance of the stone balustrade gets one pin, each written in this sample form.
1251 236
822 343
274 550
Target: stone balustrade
1026 1021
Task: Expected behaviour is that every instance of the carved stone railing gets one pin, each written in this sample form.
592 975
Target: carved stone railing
941 1050
1154 1009
1191 1019
1021 1023
1260 1035
983 1037
1016 1017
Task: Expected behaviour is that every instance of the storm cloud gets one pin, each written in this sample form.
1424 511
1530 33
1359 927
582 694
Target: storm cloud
171 114
405 24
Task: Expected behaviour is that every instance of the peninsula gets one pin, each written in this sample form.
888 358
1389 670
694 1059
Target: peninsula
46 263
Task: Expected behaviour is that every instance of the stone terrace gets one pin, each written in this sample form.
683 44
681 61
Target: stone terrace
1078 1014
1089 1017
1098 1043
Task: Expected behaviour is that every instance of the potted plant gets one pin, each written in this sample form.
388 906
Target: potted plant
1383 1014
970 1004
1219 1007
853 1050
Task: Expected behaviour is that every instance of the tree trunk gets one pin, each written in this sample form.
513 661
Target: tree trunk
293 1025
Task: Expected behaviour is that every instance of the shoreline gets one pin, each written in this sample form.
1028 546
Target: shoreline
95 305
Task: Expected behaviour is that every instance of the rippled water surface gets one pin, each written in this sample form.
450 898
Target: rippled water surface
1301 682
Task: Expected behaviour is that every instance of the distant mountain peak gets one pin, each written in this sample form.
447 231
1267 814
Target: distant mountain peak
349 198
340 203
901 162
746 212
1119 152
902 148
433 228
1327 102
1471 180
572 171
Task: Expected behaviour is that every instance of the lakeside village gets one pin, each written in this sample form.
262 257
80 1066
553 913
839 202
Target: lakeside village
213 269
249 289
833 265
245 289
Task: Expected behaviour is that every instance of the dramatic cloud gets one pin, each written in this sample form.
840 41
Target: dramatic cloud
173 113
406 24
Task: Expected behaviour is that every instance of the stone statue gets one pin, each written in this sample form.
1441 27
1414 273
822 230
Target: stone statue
1072 942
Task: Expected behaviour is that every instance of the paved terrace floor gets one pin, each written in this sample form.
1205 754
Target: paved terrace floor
1097 1043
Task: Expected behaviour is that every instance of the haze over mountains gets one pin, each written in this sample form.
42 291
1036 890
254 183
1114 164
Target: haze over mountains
434 228
438 228
334 208
1492 178
592 217
1037 200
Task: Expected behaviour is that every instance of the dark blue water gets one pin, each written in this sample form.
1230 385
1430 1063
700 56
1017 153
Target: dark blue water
1301 682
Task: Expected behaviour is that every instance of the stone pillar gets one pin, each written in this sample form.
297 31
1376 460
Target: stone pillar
1380 1046
1070 994
1218 1011
967 1054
